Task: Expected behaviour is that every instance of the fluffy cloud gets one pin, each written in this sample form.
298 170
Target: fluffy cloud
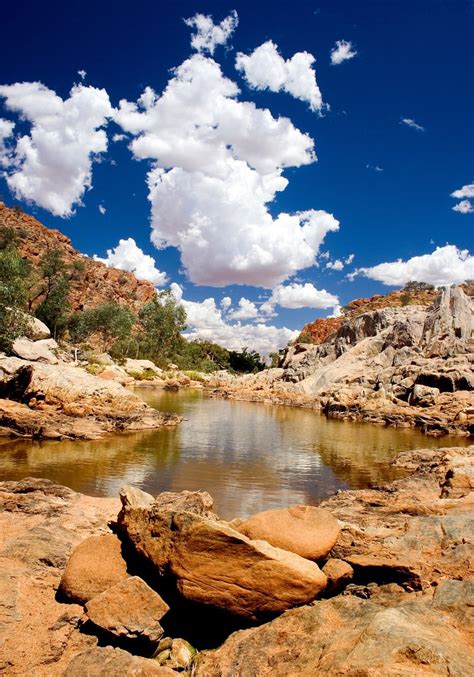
52 166
208 34
302 296
128 256
217 163
6 132
446 265
464 207
226 302
465 191
247 310
265 68
205 321
338 264
409 122
101 209
342 52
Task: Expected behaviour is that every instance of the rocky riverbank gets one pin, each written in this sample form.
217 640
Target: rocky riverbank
92 587
406 366
51 399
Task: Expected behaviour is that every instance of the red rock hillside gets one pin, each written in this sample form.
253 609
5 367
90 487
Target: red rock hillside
92 282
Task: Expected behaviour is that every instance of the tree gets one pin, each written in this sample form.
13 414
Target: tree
161 322
14 276
52 287
246 361
201 356
111 321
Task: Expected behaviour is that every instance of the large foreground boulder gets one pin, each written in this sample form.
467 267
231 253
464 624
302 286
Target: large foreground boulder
94 566
212 562
303 529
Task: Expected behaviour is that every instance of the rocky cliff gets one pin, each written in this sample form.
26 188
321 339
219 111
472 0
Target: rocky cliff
92 282
409 365
414 294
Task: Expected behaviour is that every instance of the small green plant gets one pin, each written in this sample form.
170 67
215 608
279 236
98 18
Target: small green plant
94 368
194 375
145 375
405 299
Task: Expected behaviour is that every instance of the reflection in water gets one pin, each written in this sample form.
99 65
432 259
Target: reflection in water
249 456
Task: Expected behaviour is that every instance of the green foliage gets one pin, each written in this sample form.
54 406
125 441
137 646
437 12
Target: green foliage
14 274
202 356
161 322
304 337
245 362
415 286
52 287
145 375
110 321
194 375
405 299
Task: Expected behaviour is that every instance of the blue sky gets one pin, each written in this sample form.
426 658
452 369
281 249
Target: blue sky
387 182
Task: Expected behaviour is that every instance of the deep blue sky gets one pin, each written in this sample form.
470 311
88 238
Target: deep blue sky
414 60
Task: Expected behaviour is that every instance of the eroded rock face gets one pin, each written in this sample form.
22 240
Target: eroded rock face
351 636
94 566
129 609
305 530
448 328
213 563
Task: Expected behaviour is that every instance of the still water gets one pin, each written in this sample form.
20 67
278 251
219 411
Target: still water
249 456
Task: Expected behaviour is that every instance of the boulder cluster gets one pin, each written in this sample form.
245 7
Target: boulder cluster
251 570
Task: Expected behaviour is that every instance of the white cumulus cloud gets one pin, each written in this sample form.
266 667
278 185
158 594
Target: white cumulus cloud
265 68
6 132
342 51
247 310
127 255
217 164
306 295
205 321
444 266
464 207
209 35
465 191
52 165
409 122
337 264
